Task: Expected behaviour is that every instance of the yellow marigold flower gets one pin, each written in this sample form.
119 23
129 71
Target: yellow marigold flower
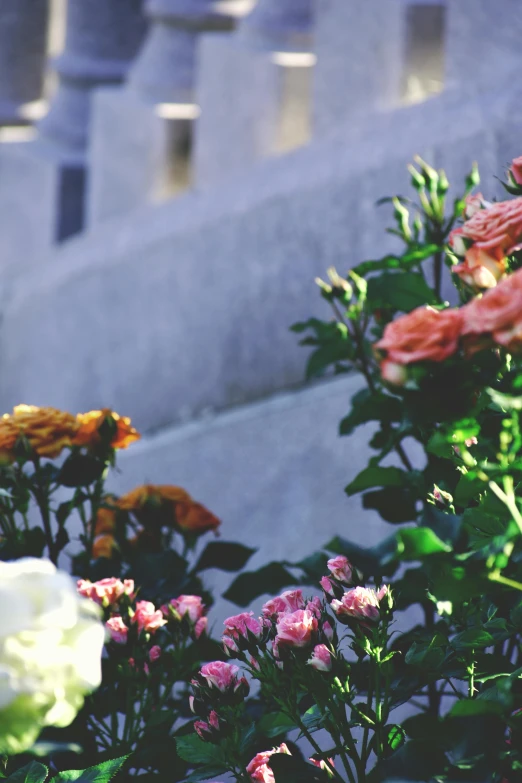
90 425
195 518
48 430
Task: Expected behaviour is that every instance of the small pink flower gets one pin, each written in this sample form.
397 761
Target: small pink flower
254 663
240 626
190 606
106 592
155 653
328 630
289 601
200 627
296 629
341 569
147 617
327 586
321 659
203 729
361 603
221 675
117 629
214 720
315 606
258 768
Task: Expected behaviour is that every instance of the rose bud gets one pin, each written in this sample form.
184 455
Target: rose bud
394 373
341 569
203 730
515 171
360 603
321 763
200 627
220 675
242 631
214 720
155 653
328 630
321 659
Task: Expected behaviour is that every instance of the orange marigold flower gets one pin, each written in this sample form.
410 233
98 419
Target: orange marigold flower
104 546
155 494
91 423
48 430
105 521
195 518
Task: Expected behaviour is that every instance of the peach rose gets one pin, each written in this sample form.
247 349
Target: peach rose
90 429
496 315
104 546
153 494
194 518
479 270
474 204
516 170
425 334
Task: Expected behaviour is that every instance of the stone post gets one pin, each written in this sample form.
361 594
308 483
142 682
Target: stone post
254 89
23 42
140 151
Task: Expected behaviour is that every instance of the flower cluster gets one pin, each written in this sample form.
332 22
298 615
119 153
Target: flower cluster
46 432
217 691
132 625
427 334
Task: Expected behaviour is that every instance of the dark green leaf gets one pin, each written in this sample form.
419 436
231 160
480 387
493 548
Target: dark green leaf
465 708
368 406
272 578
205 773
401 291
394 504
31 773
192 749
80 470
376 476
472 638
226 555
273 724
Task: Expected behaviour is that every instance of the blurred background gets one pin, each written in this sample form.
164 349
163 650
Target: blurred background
175 173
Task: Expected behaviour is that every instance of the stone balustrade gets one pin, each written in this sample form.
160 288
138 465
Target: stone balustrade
23 45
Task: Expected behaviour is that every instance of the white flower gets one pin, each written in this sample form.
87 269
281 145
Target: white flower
51 641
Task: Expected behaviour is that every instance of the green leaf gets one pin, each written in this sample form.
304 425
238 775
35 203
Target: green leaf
80 470
272 578
206 773
370 406
394 737
100 773
31 773
226 555
468 488
465 708
192 749
376 476
415 543
401 291
273 724
407 261
446 526
472 638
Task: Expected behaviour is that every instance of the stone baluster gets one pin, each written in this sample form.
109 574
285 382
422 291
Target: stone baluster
141 143
23 43
282 26
254 89
102 38
360 59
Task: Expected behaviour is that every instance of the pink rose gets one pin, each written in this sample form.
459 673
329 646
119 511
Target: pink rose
425 334
315 606
516 170
475 204
497 315
327 586
360 603
147 617
321 659
155 653
341 569
220 675
258 768
203 730
117 629
321 763
106 592
296 629
190 606
240 627
200 627
289 601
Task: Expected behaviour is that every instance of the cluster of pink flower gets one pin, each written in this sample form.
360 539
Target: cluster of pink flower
128 622
259 769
